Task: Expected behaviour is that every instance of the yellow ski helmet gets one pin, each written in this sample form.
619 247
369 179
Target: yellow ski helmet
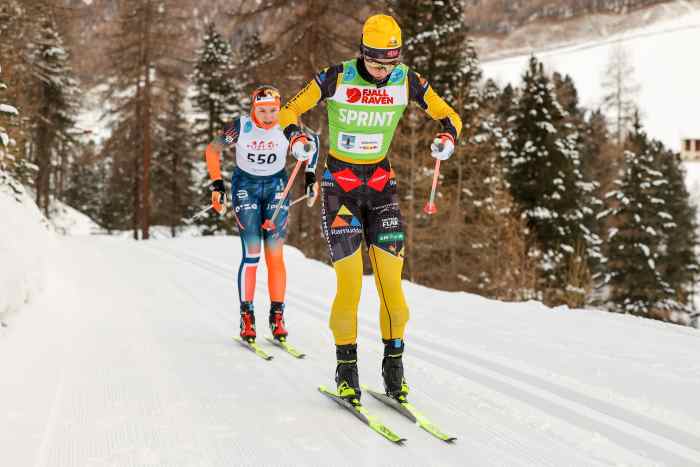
381 38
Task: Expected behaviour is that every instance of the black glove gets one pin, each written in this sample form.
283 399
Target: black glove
218 196
309 182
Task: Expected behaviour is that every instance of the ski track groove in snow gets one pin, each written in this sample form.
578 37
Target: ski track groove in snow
350 430
172 388
319 312
625 427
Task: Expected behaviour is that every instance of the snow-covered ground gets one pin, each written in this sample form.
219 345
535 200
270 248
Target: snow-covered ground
69 221
127 359
24 240
666 68
545 34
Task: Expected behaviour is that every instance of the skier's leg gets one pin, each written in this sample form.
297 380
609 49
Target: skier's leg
342 228
247 271
274 239
393 310
274 254
246 206
250 219
343 320
386 238
340 221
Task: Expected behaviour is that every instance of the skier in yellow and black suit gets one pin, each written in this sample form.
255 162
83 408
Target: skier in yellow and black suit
365 98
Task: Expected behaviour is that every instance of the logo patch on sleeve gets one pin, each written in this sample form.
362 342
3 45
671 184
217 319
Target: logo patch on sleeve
349 74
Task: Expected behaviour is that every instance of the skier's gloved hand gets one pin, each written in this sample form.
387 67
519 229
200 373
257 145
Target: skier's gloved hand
302 148
443 146
310 184
218 196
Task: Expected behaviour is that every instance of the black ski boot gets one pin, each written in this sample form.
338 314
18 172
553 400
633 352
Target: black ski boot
346 376
392 370
247 322
279 332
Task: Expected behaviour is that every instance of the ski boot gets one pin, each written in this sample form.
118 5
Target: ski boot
279 332
346 376
392 370
247 322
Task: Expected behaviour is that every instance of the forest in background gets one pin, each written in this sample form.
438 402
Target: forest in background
543 199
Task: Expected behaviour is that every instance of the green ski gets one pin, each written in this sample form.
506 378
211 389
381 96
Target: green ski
253 347
363 414
287 348
410 412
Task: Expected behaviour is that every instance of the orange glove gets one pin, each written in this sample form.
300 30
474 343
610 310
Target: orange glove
218 196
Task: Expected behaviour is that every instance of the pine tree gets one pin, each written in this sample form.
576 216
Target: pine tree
679 264
56 91
637 240
7 112
86 184
596 161
120 197
17 27
217 88
458 173
144 54
567 96
434 36
620 92
544 173
433 45
173 175
7 160
592 139
495 258
242 81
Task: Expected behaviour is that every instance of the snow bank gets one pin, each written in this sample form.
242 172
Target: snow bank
69 221
24 242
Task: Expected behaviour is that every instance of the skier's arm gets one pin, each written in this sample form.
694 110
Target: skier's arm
321 87
311 164
305 100
228 137
423 94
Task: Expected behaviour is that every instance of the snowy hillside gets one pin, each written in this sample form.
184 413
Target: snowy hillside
665 67
24 242
69 221
127 359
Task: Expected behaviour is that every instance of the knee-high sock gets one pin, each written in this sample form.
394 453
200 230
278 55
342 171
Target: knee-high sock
343 321
247 272
393 311
276 271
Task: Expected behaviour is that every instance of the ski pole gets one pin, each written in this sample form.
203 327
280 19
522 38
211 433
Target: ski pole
311 200
269 224
298 200
430 207
198 215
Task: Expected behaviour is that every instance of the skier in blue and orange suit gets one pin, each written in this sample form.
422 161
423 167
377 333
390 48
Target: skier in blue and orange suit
256 189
